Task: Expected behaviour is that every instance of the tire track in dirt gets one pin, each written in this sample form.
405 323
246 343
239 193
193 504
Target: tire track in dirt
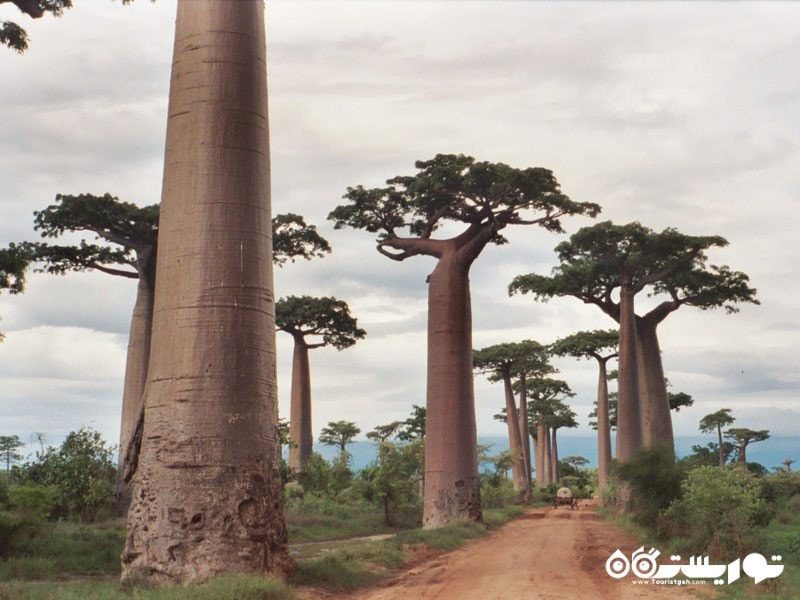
546 554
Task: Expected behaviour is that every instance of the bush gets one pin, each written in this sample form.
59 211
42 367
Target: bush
497 493
316 475
23 509
782 486
654 481
83 473
718 511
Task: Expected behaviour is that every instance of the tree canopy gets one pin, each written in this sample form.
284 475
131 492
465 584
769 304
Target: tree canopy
339 433
132 235
9 444
595 259
14 261
14 36
712 422
327 318
514 358
484 196
744 437
598 344
129 229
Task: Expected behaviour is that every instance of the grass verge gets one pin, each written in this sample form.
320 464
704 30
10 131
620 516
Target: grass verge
230 587
350 568
780 538
67 548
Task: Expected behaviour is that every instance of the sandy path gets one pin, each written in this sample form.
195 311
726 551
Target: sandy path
546 554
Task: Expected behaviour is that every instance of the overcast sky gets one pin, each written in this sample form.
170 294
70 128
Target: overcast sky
672 114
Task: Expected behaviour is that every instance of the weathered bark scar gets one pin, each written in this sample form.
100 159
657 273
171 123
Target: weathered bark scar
130 460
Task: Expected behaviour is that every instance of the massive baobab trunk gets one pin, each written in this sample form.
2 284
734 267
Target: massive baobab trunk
547 459
555 475
655 414
452 488
135 373
629 432
603 428
539 458
520 481
524 432
206 493
300 410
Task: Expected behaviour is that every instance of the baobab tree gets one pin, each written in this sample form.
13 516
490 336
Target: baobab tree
545 397
715 422
743 437
601 346
207 495
787 464
312 323
339 434
560 416
485 198
125 245
509 362
606 258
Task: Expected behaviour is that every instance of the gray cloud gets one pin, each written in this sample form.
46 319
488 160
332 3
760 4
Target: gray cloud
672 114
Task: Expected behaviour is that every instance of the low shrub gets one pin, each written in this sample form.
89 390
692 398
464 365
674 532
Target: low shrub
719 512
654 481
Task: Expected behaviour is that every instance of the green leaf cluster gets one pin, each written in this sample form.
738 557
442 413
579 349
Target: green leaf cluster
292 237
457 188
512 359
326 318
596 259
83 472
718 511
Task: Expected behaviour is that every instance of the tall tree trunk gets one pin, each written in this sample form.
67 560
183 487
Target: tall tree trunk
548 456
655 413
135 373
603 428
207 492
520 482
556 475
524 432
300 410
629 427
541 475
452 489
742 458
721 453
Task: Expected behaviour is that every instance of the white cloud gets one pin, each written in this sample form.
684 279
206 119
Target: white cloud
672 114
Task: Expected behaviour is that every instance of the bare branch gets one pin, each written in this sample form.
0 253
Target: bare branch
112 271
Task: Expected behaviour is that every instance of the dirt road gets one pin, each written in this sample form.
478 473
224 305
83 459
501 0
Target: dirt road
545 555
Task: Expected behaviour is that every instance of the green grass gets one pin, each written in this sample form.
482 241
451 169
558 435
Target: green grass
61 549
354 566
230 587
60 562
781 537
314 518
337 571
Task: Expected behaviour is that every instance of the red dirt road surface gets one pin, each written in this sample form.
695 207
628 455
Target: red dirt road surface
545 555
